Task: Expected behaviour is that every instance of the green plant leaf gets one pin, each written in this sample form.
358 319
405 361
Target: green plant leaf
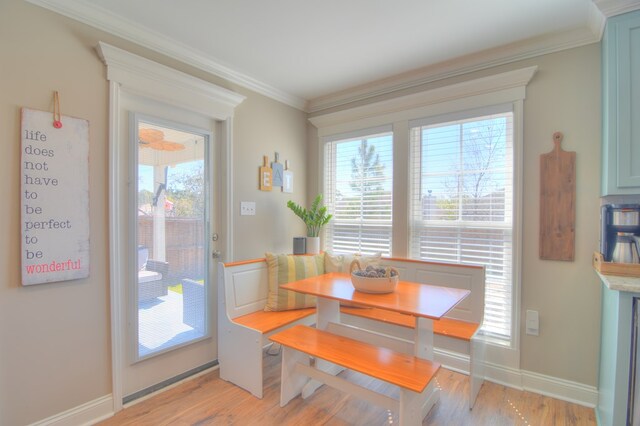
314 218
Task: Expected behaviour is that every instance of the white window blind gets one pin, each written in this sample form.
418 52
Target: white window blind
358 173
462 203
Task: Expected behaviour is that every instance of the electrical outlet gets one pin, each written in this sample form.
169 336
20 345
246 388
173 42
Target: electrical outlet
247 208
533 323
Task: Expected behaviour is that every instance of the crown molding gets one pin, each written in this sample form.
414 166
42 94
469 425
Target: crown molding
510 83
156 81
474 62
104 20
616 7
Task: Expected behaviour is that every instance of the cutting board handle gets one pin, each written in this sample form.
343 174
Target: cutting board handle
557 140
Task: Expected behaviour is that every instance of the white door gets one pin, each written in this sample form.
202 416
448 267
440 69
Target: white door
150 188
169 327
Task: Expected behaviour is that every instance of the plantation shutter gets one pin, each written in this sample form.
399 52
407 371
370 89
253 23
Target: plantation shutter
358 171
462 202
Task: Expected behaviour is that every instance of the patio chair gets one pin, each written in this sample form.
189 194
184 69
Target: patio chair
153 281
193 295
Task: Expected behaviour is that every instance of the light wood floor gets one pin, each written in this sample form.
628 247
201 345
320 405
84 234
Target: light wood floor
208 400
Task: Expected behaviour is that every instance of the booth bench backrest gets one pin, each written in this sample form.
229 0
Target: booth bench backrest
463 276
246 284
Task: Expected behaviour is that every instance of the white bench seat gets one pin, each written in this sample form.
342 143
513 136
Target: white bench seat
244 326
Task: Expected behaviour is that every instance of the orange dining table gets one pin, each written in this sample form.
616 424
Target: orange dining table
424 302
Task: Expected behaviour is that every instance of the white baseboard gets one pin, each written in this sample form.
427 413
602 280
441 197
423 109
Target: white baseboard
566 390
452 360
554 387
83 415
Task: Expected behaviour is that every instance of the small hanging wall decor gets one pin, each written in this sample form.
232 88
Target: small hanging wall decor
277 171
287 178
265 175
54 196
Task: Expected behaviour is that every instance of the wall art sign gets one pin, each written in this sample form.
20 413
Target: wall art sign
55 198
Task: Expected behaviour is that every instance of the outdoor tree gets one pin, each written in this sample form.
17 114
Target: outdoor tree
186 192
145 197
474 183
367 177
366 170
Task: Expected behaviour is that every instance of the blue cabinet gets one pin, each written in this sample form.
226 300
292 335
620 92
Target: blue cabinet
621 105
615 356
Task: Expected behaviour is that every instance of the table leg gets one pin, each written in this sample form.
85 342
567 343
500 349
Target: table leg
423 340
328 311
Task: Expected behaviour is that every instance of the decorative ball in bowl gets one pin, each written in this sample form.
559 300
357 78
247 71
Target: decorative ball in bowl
373 279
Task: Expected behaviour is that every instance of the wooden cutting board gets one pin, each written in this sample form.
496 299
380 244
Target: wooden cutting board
266 176
557 203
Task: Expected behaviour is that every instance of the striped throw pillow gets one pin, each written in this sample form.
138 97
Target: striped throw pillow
285 268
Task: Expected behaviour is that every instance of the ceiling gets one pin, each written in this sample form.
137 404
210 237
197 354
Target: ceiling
315 54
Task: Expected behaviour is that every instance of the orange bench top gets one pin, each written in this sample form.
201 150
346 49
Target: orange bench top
406 371
444 326
266 322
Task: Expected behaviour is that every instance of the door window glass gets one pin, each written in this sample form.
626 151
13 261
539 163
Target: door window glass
171 221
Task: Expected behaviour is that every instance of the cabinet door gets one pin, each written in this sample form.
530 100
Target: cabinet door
621 105
629 103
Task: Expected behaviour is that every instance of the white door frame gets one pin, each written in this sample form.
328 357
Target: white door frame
135 76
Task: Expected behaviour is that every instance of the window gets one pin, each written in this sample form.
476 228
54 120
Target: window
462 202
358 173
438 213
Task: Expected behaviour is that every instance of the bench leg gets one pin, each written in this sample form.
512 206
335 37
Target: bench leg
241 367
476 368
291 381
415 406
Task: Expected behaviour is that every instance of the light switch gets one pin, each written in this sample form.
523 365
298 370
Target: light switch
533 322
247 208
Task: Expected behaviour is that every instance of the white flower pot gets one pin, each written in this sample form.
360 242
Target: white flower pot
313 245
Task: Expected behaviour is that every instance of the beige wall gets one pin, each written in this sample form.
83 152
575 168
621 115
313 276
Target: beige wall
55 338
55 351
263 127
564 95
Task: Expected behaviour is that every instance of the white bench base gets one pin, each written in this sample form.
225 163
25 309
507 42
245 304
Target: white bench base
297 372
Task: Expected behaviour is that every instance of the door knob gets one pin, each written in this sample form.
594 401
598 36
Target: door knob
216 254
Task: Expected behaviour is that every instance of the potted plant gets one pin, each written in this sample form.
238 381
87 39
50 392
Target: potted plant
314 218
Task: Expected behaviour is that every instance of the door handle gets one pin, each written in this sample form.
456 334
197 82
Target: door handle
216 254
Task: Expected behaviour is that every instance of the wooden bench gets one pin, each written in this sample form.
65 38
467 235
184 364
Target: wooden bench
449 327
243 325
410 374
457 340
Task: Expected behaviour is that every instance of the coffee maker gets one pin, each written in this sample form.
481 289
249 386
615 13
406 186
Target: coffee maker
620 232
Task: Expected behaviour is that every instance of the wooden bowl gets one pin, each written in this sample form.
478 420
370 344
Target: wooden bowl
374 285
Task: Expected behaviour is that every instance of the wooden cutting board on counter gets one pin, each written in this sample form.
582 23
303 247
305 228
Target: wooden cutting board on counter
557 203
